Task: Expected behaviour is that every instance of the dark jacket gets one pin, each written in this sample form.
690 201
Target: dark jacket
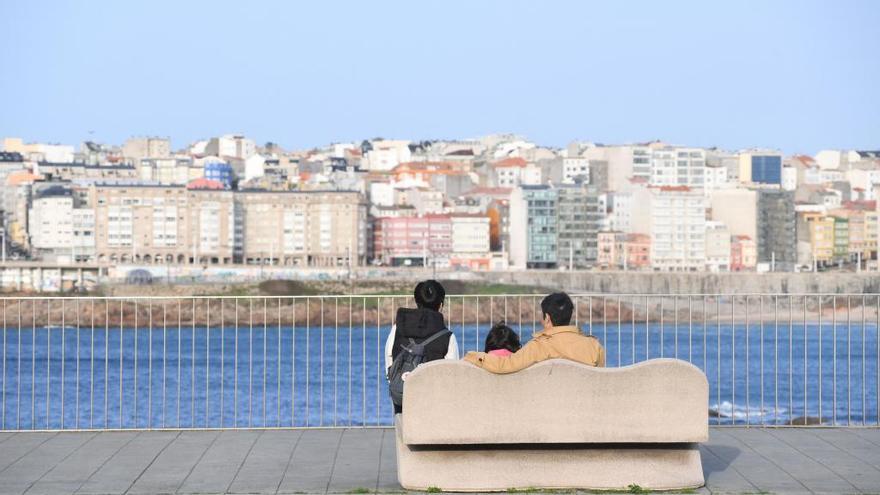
419 324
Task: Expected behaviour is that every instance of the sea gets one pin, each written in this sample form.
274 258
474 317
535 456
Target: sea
271 376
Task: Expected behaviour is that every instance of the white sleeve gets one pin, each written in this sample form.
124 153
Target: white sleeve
452 350
389 347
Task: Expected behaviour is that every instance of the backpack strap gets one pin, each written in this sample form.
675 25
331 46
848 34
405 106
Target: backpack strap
432 338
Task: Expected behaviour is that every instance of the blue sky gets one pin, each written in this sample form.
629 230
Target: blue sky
799 76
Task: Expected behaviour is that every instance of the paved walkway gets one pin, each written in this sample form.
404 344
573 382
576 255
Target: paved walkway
735 460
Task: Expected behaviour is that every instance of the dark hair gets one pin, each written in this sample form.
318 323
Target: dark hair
429 295
559 306
502 336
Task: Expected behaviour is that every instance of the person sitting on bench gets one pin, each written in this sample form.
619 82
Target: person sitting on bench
558 340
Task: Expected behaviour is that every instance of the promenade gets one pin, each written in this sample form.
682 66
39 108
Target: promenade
735 460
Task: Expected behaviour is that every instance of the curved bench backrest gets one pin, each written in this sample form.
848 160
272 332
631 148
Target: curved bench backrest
556 401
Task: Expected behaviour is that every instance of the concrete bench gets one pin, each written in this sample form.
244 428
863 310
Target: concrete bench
556 425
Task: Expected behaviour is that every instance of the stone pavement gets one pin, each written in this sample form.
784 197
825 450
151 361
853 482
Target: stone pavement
735 460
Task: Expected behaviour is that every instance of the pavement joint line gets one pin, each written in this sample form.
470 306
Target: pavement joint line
771 461
22 456
865 438
333 465
74 451
730 466
289 460
243 459
7 438
808 456
106 461
876 467
201 456
144 470
821 439
381 447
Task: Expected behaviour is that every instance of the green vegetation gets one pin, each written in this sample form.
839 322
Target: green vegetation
360 489
636 489
434 489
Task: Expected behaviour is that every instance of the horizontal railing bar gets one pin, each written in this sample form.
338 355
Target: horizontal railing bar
465 296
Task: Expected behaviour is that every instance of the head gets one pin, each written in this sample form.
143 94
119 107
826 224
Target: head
556 310
502 336
429 295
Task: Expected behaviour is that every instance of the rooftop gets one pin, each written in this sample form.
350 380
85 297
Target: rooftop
735 460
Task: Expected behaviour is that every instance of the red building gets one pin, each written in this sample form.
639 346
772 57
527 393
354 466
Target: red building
413 241
638 251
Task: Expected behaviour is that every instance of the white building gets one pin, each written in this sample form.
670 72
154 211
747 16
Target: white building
386 154
678 167
425 200
717 247
575 170
166 171
675 218
864 178
789 178
470 234
619 209
254 166
716 177
231 145
382 194
40 152
58 230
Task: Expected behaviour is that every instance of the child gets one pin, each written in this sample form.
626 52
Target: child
502 341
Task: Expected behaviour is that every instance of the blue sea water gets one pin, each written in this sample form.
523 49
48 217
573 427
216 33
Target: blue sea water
282 376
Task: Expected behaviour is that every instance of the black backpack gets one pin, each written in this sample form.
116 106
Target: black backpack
411 356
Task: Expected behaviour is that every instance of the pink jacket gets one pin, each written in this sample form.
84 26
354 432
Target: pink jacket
500 352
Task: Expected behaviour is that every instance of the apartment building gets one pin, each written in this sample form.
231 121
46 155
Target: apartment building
777 229
760 167
134 150
743 253
678 167
303 228
470 241
173 224
675 218
413 241
578 219
166 171
611 249
141 224
575 169
60 228
718 247
533 220
637 252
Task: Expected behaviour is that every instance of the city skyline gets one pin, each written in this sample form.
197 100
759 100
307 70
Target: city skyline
742 76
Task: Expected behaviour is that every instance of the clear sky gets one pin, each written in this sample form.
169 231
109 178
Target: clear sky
795 75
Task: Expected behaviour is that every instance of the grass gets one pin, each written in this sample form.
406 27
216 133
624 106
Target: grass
360 489
434 489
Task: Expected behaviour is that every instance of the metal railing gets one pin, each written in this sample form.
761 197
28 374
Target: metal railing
317 361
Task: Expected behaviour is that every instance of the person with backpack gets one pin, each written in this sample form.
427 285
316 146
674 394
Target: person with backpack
417 336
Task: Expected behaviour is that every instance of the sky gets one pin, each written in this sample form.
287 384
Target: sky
799 76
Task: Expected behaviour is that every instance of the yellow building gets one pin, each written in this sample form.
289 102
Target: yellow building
821 237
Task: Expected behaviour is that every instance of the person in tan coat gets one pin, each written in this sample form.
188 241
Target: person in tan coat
558 339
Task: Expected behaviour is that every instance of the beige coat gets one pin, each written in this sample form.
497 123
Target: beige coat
557 342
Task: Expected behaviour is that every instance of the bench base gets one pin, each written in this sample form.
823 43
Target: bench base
470 468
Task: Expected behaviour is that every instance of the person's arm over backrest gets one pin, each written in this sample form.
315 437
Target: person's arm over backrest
530 354
452 350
